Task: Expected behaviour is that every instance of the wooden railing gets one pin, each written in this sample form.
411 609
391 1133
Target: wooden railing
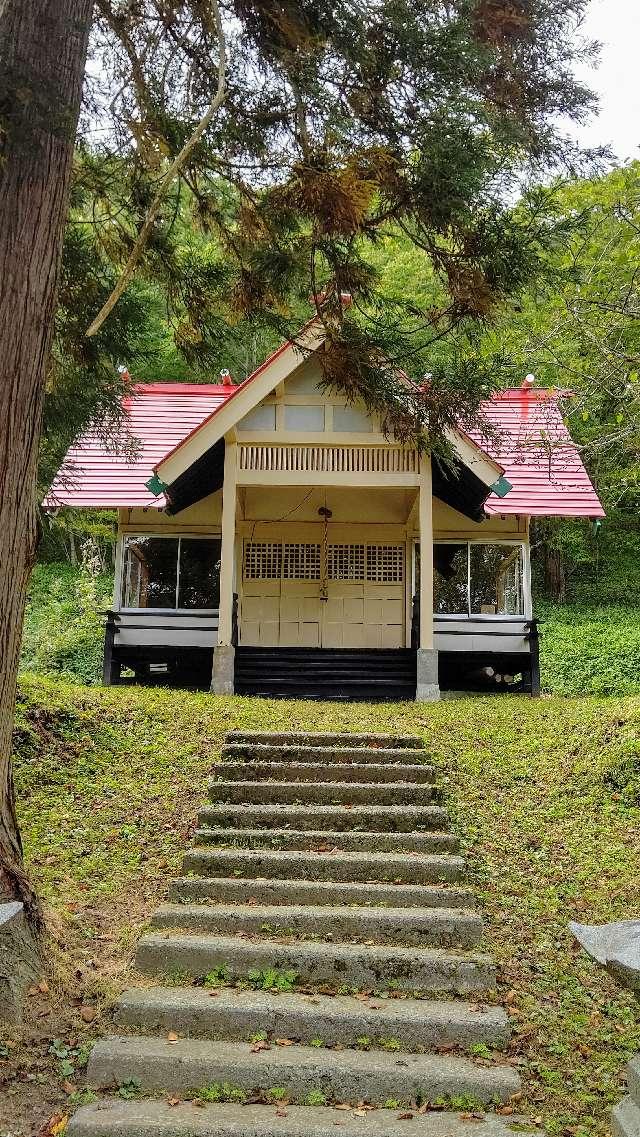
302 459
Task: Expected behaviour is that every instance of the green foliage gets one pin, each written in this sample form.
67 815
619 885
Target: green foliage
218 976
270 979
316 155
277 1093
221 1091
63 630
590 651
316 1097
129 1089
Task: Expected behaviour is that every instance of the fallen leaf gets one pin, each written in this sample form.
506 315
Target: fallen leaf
405 1116
173 1101
359 1113
342 1105
88 1014
281 1113
258 1046
55 1125
284 1042
43 987
198 1102
172 1036
69 1087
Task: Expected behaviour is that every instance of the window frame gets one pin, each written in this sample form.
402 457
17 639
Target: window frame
484 616
119 574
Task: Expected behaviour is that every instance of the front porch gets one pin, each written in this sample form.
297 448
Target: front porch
314 591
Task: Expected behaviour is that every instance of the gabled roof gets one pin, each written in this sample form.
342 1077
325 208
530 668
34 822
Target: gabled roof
540 460
157 417
534 448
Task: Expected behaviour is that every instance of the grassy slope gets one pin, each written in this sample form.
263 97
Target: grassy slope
108 786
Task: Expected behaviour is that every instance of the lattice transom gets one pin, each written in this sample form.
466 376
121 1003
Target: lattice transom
385 564
301 562
346 562
262 560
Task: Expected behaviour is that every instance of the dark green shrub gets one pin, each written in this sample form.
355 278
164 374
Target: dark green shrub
590 650
64 632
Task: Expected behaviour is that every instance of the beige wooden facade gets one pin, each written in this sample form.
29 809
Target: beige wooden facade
319 517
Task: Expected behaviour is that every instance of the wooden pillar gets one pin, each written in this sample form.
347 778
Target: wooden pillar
425 515
427 689
228 550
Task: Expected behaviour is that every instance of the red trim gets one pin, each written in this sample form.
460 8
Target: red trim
234 391
182 389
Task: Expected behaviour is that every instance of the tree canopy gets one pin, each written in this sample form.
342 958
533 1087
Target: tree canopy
296 137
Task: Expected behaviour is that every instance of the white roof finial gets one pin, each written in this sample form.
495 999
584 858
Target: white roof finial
529 380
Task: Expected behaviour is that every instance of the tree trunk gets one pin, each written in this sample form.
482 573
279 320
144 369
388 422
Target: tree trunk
43 48
555 579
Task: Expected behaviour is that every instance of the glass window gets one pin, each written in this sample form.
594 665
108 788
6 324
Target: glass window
496 580
303 418
171 572
150 572
481 579
450 579
199 585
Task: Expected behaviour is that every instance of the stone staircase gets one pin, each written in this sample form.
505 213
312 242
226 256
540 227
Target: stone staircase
316 966
626 1115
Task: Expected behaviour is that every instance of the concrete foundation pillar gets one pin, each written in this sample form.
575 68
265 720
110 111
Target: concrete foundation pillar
427 689
222 680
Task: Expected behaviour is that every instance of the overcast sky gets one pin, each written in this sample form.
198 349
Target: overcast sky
616 23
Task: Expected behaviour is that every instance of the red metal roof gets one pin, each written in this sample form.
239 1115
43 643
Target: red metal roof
539 458
158 416
534 448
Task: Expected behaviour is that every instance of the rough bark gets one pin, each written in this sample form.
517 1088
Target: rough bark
555 579
43 47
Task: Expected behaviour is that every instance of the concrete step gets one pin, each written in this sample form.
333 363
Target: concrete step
408 868
378 818
319 840
236 890
633 1079
625 1119
322 738
158 1119
351 793
344 1075
255 770
340 755
359 967
418 927
417 1024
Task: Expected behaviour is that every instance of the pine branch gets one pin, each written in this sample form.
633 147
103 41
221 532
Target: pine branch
172 173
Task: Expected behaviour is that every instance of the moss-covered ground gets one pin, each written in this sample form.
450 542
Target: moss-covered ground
545 795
